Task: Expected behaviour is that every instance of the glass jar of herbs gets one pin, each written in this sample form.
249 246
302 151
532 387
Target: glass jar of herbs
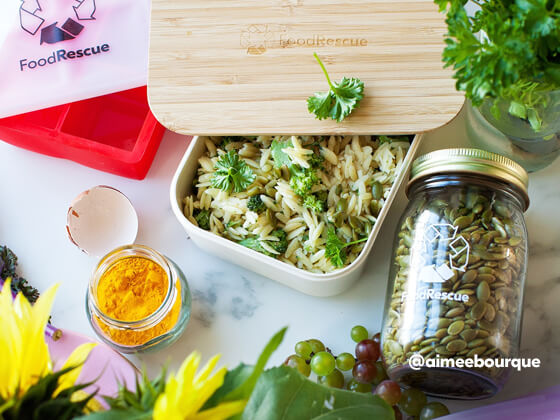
457 277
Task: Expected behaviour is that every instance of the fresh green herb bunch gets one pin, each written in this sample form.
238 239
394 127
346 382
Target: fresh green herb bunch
508 49
40 402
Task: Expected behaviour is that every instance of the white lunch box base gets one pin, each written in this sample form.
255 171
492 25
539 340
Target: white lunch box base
306 282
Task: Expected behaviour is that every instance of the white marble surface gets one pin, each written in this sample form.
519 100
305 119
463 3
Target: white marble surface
235 311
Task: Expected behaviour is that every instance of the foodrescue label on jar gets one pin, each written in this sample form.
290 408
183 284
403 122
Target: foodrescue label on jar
431 294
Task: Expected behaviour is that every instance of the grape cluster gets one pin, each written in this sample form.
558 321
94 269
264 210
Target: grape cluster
367 374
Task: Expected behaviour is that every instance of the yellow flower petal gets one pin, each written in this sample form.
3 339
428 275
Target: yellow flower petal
221 411
76 359
25 356
185 394
207 369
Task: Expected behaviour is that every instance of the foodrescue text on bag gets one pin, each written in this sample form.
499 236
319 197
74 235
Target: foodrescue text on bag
62 54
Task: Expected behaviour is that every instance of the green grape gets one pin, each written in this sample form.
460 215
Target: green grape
355 386
345 361
322 363
303 349
381 375
334 380
359 333
412 401
298 363
433 410
316 345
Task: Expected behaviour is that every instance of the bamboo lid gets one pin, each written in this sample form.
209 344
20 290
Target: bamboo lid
221 67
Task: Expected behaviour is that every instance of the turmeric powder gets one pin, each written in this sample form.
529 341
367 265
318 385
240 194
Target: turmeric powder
131 290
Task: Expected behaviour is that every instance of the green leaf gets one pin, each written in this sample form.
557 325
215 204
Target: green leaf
320 104
277 151
245 389
334 247
341 99
233 379
534 119
517 110
120 414
347 96
282 393
232 173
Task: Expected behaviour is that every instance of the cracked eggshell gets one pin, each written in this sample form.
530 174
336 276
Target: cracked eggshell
100 220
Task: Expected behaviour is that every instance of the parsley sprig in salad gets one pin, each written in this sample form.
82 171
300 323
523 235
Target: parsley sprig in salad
232 173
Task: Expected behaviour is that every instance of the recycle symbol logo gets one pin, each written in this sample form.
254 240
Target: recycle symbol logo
456 245
31 16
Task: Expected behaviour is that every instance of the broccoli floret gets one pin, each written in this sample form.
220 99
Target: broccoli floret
254 244
313 202
256 204
279 246
316 160
202 217
302 181
282 243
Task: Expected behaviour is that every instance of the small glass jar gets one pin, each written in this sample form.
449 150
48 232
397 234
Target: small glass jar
157 329
456 282
514 137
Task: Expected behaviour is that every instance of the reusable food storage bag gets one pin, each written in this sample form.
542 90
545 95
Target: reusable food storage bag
58 51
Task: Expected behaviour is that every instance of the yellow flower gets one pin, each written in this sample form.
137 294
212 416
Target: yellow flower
25 355
185 394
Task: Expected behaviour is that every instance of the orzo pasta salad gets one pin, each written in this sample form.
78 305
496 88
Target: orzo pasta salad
309 201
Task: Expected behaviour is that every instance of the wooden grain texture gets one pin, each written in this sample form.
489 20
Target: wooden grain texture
247 66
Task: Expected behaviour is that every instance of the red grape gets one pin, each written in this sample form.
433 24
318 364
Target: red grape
390 391
367 350
398 414
377 338
364 371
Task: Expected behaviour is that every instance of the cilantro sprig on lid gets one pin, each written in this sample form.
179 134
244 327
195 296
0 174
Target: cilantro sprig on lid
341 99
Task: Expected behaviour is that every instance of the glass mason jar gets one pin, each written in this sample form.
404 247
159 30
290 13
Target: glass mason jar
515 137
458 272
157 329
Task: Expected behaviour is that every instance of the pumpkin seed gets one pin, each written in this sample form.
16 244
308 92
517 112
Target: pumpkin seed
454 312
483 291
456 327
476 343
468 334
478 310
456 345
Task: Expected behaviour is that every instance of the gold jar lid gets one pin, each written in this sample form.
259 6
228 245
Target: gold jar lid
471 161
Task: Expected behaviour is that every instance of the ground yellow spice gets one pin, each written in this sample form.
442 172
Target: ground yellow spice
132 289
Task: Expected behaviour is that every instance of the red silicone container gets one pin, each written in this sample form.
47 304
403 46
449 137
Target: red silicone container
114 133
